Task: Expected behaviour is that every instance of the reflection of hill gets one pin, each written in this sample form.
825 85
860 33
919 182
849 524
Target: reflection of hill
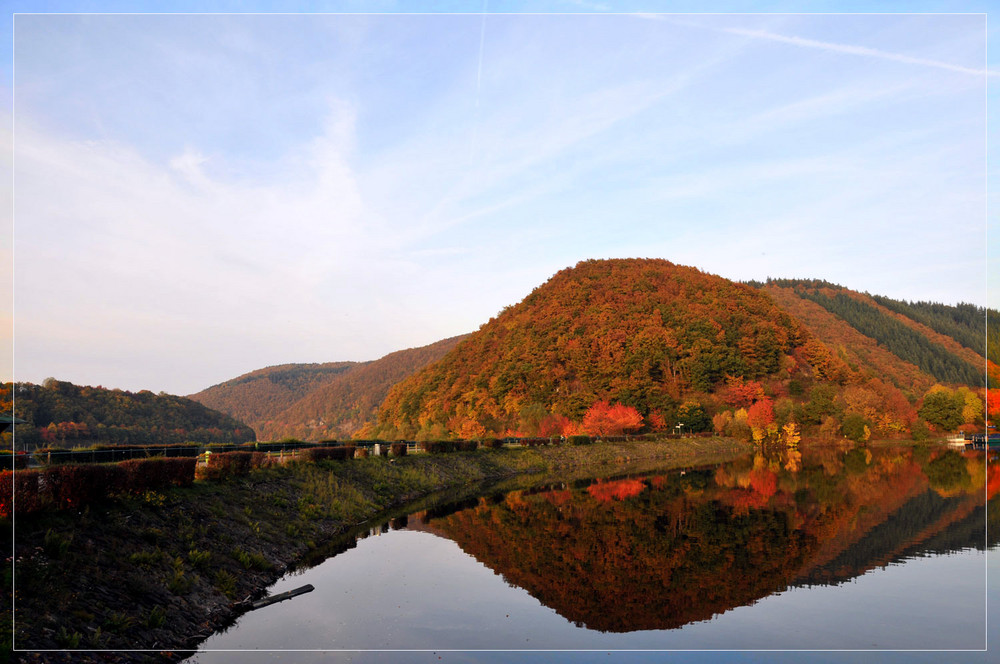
966 533
904 533
664 551
674 561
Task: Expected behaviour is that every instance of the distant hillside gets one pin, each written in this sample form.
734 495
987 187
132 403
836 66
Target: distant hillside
944 343
317 401
261 393
342 406
61 413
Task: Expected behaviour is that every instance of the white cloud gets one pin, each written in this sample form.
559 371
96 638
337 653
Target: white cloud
127 253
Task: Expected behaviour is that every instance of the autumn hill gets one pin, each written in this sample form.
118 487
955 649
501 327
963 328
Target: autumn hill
672 347
317 401
61 413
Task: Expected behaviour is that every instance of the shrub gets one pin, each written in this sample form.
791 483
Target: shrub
856 428
13 461
251 560
199 559
492 443
397 449
466 446
75 485
437 446
226 583
919 431
361 453
157 616
79 485
141 475
579 440
222 465
340 453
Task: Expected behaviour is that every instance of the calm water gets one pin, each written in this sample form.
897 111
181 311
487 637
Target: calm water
830 550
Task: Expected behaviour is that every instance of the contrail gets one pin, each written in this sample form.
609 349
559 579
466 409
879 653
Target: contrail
479 82
850 49
482 41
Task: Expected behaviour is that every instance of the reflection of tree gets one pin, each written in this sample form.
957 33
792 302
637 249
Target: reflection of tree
659 552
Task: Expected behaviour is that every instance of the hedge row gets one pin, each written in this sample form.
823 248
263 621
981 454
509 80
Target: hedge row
447 446
341 453
535 442
278 446
11 461
63 487
113 453
223 465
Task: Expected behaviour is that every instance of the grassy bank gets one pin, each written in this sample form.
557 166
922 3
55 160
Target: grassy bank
164 570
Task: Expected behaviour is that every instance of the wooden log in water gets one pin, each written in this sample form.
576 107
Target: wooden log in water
274 599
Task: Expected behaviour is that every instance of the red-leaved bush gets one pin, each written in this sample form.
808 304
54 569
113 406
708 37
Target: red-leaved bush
222 465
340 453
75 485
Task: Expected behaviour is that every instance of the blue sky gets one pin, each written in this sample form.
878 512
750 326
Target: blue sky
197 196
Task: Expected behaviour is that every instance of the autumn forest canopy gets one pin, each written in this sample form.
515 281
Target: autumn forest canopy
607 347
667 348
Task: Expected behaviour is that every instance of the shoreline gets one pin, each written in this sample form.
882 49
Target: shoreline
162 572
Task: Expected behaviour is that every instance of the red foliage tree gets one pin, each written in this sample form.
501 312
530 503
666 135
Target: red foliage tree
761 414
552 425
656 420
993 405
740 393
603 419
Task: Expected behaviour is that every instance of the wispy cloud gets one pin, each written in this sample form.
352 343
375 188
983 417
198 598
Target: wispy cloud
851 49
459 170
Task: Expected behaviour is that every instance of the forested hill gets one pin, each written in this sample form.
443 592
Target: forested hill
61 413
644 344
317 401
262 393
641 332
946 343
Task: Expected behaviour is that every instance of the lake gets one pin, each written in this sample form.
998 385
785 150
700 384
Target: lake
826 549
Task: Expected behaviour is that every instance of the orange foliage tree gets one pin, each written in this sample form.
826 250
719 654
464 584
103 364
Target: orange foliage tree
603 419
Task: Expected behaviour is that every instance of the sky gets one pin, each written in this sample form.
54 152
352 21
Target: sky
199 195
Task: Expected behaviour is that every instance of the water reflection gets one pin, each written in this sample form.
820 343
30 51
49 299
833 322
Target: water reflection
861 548
662 551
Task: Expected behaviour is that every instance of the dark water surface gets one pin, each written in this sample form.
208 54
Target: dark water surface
827 550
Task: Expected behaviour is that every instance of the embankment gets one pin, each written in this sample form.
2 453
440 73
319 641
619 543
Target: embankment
149 577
